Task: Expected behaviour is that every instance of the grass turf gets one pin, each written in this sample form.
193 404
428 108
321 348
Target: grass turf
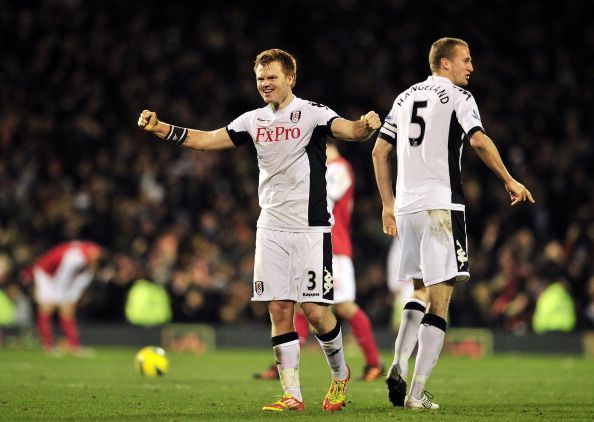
219 386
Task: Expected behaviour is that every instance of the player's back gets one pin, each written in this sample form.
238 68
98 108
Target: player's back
430 119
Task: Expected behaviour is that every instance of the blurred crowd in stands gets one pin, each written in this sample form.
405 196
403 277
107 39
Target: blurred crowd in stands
73 164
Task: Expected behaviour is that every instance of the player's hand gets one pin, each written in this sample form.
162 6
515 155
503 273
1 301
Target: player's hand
518 192
148 120
372 120
389 222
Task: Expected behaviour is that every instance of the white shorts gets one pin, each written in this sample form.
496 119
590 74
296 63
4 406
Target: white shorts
433 246
67 284
293 266
344 279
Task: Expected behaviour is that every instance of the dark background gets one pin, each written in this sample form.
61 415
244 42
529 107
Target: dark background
73 164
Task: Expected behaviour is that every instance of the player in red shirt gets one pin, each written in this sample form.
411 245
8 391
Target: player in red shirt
340 186
61 275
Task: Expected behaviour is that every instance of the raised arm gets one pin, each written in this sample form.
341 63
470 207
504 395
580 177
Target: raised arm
189 138
488 153
383 178
356 130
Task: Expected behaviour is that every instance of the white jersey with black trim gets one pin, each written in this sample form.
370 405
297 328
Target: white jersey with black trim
430 120
291 149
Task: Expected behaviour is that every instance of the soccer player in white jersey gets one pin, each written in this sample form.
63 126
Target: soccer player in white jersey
428 124
340 186
293 258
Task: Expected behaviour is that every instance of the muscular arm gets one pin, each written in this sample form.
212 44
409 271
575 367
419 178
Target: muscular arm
383 178
196 139
488 153
356 130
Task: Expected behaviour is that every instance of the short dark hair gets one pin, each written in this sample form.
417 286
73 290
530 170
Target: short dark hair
287 61
443 48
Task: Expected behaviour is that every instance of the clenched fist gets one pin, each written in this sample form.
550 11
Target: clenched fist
148 120
372 120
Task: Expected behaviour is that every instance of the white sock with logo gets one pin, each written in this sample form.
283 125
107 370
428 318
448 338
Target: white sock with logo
333 349
406 340
431 336
286 352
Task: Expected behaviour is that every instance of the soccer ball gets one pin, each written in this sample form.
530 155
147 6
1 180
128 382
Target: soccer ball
151 361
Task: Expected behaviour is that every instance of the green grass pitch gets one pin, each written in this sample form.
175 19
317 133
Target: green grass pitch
219 386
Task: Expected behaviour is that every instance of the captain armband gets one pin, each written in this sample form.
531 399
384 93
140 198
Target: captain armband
176 135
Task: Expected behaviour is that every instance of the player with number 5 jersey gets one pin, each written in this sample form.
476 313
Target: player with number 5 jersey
429 123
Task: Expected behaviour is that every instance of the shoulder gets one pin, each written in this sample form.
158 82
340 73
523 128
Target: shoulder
314 105
249 116
462 93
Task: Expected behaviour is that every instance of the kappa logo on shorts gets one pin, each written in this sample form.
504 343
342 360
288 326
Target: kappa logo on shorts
295 116
259 287
461 253
328 281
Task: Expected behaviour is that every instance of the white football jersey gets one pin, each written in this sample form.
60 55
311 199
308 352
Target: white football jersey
430 120
291 148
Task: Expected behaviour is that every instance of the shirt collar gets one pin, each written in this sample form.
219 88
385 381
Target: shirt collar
441 79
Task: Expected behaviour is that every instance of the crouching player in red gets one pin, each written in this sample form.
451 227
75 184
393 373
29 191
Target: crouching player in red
61 275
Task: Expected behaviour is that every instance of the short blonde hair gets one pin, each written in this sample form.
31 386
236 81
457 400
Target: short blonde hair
443 48
287 61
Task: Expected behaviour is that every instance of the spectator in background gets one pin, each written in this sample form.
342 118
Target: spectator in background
61 275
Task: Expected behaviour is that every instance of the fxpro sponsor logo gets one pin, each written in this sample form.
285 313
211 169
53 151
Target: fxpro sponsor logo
277 134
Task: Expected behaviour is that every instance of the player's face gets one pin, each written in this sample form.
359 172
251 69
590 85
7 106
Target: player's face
461 66
273 85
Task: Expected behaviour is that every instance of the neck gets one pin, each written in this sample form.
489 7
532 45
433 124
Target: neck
285 102
443 75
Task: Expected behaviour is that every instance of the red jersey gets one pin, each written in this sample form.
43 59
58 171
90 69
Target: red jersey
340 180
50 261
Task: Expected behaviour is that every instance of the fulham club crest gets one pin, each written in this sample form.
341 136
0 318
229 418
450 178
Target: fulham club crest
259 287
295 116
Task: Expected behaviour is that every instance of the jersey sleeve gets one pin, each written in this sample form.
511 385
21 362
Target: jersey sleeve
239 129
468 114
389 130
322 117
338 181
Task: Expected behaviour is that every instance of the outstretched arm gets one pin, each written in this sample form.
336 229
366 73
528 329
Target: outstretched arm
356 130
189 138
383 178
488 153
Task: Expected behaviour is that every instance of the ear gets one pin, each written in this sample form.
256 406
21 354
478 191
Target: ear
445 63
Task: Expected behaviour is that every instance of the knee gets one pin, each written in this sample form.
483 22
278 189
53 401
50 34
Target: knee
438 307
320 317
280 311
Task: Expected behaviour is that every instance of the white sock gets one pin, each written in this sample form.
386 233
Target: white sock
431 336
334 351
406 340
287 362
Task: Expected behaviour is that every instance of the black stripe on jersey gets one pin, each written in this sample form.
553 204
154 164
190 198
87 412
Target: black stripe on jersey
317 212
455 137
238 138
328 278
459 235
473 131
